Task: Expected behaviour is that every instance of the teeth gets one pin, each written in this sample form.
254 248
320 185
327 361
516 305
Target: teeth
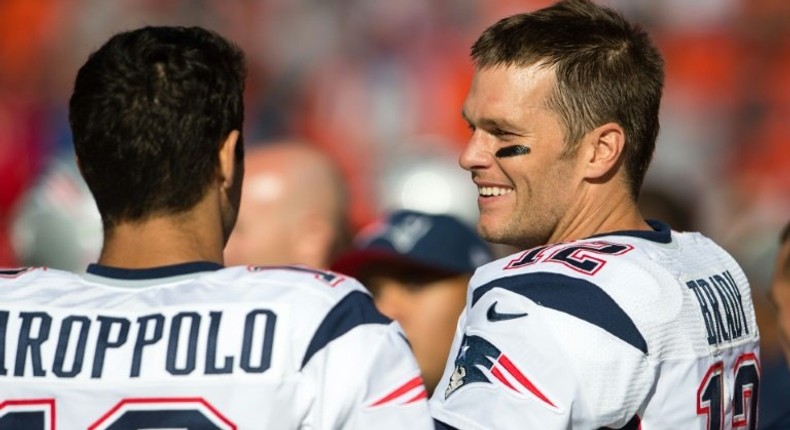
493 191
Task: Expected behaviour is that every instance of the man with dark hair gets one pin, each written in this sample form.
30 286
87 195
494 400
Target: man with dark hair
604 320
158 334
168 102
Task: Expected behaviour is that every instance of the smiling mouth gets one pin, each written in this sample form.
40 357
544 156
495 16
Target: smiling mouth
493 191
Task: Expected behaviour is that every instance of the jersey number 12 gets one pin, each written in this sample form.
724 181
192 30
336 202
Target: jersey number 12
710 395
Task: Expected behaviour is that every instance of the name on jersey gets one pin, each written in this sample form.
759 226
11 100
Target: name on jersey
209 342
721 305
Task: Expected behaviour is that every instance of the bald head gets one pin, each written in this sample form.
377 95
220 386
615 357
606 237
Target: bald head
293 208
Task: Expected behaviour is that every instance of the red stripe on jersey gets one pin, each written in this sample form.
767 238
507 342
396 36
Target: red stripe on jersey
421 395
495 371
412 384
511 368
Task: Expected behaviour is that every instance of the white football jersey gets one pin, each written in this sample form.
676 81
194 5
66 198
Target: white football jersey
199 346
630 330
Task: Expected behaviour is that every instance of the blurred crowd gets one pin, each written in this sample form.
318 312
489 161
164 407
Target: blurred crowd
378 85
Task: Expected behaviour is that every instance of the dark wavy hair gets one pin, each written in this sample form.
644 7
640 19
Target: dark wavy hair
607 70
149 112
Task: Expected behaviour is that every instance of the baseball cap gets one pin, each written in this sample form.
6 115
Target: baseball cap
433 241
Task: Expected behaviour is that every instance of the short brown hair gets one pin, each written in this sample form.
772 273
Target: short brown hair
607 70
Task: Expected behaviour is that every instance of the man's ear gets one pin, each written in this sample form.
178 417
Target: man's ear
228 162
605 145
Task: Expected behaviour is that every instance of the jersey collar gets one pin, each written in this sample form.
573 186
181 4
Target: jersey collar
661 232
153 272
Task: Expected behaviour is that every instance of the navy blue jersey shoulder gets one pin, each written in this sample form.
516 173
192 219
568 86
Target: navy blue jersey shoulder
355 309
632 425
574 296
154 272
438 425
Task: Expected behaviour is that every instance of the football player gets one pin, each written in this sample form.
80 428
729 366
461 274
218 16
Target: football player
158 334
604 320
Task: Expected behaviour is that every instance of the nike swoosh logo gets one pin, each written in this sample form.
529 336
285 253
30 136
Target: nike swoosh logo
493 315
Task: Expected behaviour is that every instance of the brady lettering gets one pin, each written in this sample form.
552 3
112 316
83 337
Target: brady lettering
721 306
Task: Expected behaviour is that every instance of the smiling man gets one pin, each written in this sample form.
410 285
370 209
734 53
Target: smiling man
604 320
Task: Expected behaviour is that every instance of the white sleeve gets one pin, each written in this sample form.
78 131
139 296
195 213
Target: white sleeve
367 378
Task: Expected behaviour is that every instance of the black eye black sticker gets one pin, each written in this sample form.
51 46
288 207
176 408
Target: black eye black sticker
512 151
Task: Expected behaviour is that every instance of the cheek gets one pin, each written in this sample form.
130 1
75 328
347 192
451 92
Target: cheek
552 187
556 178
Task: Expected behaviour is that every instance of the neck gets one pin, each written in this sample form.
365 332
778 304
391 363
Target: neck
165 240
598 213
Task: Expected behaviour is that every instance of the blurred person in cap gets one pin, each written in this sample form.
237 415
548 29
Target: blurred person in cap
293 208
417 266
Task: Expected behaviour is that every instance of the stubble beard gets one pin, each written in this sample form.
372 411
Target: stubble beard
513 234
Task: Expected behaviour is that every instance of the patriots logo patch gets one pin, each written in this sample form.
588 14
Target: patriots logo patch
479 361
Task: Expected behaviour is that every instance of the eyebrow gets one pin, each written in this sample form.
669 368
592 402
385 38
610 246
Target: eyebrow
500 123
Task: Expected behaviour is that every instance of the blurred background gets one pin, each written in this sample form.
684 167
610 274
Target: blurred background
379 84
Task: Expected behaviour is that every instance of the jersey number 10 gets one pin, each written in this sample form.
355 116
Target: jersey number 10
710 395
